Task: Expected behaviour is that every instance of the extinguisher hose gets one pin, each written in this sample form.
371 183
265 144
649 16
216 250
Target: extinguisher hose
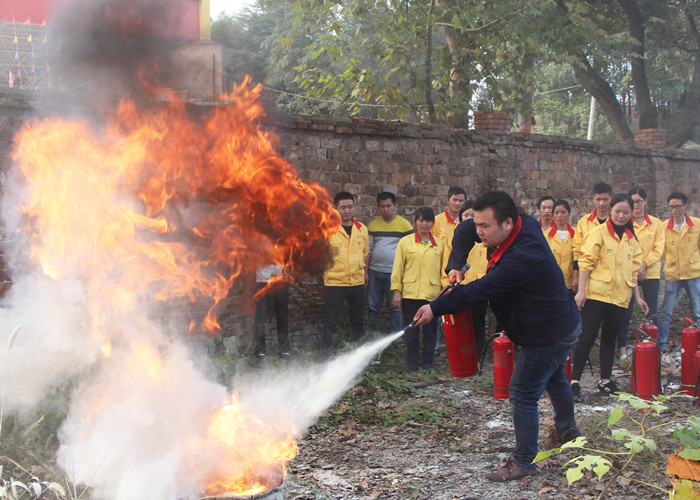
486 346
697 384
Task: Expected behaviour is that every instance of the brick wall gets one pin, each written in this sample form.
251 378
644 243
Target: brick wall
419 163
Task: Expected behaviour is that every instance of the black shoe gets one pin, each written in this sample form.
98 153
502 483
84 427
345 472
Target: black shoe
285 355
608 389
576 392
260 355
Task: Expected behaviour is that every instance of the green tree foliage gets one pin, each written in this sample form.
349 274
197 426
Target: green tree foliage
435 60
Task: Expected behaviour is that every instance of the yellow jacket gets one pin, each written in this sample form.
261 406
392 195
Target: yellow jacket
349 257
418 267
478 261
444 228
563 252
584 224
682 253
613 263
652 237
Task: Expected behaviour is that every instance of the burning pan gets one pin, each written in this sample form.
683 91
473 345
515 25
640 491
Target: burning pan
273 494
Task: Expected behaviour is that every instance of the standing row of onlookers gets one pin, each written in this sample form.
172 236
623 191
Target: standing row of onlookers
615 252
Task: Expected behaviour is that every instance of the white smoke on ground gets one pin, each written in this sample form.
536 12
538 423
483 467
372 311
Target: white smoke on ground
137 423
304 394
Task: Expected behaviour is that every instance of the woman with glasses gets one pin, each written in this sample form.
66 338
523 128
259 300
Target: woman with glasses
610 260
651 235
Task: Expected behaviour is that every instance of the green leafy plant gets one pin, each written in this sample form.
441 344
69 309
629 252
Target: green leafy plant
643 418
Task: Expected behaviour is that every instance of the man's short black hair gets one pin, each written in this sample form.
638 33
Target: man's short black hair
677 195
500 202
455 190
543 199
562 203
386 195
343 195
426 212
602 188
638 191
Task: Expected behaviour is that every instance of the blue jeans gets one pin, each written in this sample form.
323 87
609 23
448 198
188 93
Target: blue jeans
379 291
650 292
692 289
537 369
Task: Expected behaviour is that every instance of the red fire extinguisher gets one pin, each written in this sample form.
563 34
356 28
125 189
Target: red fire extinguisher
647 330
462 357
567 367
646 375
690 342
696 366
502 366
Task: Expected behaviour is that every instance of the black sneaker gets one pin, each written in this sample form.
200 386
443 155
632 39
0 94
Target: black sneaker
608 388
576 392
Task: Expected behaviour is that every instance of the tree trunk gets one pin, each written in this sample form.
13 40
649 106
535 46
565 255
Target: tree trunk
591 80
428 83
458 90
596 85
681 130
647 110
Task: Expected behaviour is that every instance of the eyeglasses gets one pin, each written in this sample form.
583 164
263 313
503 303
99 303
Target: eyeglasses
675 207
639 202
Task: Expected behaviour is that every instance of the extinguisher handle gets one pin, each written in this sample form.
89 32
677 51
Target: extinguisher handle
464 269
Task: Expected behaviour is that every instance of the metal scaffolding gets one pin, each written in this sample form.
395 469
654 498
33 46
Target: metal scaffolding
25 50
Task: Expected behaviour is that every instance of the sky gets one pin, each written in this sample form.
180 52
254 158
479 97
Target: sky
228 6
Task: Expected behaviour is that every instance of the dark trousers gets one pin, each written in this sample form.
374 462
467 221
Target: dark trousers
415 358
650 292
279 300
479 323
597 315
335 296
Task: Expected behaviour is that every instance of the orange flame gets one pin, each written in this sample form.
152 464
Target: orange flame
163 203
261 448
166 202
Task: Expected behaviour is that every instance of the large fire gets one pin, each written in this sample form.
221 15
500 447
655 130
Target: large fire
148 204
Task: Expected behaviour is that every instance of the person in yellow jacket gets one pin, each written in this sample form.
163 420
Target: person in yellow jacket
602 194
545 206
560 237
345 278
608 266
416 280
446 222
682 268
651 235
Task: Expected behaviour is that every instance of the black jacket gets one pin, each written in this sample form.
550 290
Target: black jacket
525 288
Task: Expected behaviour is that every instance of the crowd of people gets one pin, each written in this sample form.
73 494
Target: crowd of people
554 288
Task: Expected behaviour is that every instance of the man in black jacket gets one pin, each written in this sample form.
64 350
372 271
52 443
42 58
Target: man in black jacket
526 291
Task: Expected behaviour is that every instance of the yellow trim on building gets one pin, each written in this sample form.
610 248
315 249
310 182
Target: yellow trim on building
204 20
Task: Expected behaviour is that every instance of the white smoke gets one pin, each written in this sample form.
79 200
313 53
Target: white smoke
141 397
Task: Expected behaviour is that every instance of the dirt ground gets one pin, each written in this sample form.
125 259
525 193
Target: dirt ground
432 436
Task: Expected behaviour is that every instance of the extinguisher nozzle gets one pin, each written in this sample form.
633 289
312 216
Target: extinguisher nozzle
410 325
